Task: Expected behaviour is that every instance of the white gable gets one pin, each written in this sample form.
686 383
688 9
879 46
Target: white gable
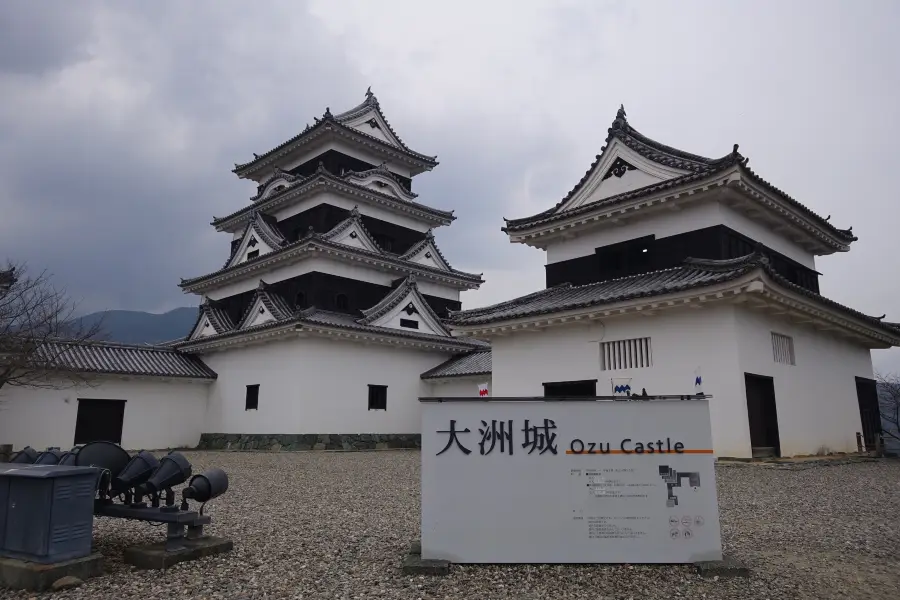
258 315
412 309
251 243
382 184
372 124
203 329
620 170
429 256
354 235
275 186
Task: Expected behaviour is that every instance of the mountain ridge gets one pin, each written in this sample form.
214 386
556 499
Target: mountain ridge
139 327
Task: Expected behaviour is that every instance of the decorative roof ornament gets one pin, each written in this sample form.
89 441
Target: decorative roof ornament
620 122
262 286
429 235
321 168
828 218
354 213
255 155
327 114
369 93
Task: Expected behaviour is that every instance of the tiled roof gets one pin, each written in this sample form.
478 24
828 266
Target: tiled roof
698 168
316 240
695 273
353 219
277 306
462 365
395 297
429 238
384 172
322 174
371 102
329 119
333 320
260 225
123 359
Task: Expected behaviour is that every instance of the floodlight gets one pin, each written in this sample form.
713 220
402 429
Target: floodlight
137 471
48 457
206 486
25 456
173 469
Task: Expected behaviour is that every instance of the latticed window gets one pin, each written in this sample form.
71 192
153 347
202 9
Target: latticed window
783 349
626 354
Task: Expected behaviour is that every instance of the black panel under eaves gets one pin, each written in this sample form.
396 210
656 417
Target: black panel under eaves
648 253
338 163
324 217
324 291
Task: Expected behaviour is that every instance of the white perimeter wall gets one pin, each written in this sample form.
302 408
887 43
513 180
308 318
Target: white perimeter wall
667 223
158 414
458 387
316 385
816 400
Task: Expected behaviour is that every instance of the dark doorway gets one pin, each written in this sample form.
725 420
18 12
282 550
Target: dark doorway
99 421
571 389
869 413
763 416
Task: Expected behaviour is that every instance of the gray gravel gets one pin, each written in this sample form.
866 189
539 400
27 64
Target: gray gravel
335 525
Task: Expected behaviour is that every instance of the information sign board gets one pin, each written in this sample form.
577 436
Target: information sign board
561 481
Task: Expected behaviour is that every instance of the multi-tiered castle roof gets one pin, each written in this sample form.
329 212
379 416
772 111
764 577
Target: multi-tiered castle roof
334 239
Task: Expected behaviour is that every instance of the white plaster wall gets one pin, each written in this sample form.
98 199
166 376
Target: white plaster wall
681 341
158 414
667 223
815 399
357 271
316 385
458 387
365 208
661 224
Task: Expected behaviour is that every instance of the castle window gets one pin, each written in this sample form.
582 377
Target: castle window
252 254
341 302
251 402
377 397
626 354
409 323
783 349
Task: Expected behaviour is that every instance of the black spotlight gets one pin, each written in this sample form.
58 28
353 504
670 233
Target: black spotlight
25 456
48 457
106 456
206 486
136 472
173 469
68 458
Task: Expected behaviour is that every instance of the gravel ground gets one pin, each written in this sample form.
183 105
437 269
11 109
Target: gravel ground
335 525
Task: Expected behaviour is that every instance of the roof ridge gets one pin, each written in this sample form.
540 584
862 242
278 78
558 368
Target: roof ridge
342 180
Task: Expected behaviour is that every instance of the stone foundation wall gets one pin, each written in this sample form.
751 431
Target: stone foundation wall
308 441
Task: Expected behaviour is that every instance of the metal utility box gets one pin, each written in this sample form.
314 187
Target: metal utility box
46 511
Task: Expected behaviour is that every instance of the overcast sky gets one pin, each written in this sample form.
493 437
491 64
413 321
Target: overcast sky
121 121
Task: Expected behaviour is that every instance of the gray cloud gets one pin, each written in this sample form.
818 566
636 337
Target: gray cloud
120 122
36 39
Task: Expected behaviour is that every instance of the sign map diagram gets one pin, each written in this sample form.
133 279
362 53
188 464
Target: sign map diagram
673 480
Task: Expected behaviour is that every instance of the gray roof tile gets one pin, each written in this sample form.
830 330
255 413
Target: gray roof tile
462 365
695 273
124 359
699 168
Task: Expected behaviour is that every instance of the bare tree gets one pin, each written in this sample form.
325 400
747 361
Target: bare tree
889 403
39 334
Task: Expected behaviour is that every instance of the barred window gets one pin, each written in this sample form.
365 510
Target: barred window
626 354
783 349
